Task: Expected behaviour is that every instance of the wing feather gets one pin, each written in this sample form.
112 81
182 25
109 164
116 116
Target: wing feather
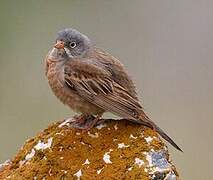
94 84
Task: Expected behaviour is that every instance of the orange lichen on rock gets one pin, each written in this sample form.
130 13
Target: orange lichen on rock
113 150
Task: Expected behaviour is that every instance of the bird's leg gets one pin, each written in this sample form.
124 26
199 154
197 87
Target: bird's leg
81 119
89 122
93 122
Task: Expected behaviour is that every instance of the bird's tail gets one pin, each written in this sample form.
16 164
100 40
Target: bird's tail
144 120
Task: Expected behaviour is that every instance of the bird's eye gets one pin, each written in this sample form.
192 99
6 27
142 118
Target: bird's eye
73 44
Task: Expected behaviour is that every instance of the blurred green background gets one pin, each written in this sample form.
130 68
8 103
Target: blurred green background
167 46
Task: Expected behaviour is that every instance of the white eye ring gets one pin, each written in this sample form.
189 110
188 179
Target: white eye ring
72 44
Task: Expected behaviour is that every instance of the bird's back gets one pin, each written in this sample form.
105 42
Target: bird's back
117 70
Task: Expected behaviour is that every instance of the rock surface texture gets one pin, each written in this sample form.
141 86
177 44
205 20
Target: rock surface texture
112 150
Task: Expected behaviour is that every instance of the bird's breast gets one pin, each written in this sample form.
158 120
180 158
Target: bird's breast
55 76
55 79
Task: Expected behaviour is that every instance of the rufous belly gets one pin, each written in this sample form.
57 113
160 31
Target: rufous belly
68 96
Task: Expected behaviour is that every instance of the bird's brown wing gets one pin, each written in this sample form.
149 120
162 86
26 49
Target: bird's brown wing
117 70
94 83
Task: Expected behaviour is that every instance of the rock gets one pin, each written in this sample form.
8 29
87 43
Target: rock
112 150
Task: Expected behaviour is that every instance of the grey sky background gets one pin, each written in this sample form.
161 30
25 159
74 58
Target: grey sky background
167 47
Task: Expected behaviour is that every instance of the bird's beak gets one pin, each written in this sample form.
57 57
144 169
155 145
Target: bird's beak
59 45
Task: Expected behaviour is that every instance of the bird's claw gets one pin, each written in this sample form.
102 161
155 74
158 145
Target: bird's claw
84 123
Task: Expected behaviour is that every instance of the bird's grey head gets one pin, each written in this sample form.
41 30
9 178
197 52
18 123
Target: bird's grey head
74 43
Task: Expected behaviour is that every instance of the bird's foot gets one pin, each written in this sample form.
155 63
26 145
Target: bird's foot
102 121
82 118
86 124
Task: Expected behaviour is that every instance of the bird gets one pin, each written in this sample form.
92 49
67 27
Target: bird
91 82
